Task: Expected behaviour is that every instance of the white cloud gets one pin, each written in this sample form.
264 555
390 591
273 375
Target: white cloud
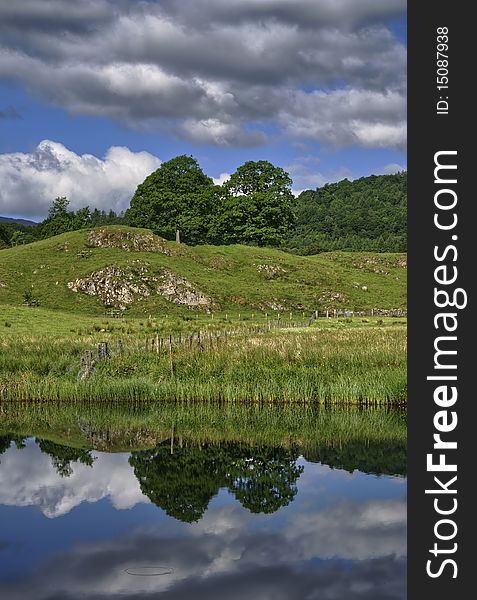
222 178
348 116
28 478
31 181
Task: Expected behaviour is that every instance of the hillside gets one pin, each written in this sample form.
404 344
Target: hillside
132 269
367 214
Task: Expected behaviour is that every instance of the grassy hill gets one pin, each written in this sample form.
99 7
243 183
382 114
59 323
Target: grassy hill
87 271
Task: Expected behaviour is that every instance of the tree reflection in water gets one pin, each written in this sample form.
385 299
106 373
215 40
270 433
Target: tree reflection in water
183 482
63 456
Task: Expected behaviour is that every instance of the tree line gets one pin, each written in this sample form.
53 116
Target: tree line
59 220
254 206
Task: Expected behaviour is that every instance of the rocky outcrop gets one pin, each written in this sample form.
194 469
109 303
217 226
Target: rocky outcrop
127 240
178 290
123 286
116 286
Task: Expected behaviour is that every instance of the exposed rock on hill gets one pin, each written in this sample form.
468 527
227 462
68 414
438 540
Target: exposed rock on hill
180 291
123 286
116 286
127 240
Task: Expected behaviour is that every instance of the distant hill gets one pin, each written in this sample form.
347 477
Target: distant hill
18 221
368 214
85 271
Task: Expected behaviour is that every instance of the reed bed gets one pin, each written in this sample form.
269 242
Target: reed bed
349 365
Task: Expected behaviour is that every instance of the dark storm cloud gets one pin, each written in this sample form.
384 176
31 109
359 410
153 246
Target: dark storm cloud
305 13
208 70
54 15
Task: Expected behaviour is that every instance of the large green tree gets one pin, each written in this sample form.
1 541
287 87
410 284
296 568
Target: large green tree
177 195
256 206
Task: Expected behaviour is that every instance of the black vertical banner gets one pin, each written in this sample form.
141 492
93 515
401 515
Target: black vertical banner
442 269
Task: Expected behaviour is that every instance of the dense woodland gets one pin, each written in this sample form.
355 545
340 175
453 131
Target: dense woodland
255 206
367 214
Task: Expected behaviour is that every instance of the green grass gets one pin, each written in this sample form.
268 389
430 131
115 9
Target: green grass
360 360
230 275
337 363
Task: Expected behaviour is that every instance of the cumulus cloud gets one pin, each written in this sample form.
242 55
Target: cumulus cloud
216 72
31 181
28 478
343 117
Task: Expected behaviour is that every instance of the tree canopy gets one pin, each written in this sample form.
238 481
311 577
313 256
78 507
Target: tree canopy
256 206
177 195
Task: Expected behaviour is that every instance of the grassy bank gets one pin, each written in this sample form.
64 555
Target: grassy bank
55 295
347 361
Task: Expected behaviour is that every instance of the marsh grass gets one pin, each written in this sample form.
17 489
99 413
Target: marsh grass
345 364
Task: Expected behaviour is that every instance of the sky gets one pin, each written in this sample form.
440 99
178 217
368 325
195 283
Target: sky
95 95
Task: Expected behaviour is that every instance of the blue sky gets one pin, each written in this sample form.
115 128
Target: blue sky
315 86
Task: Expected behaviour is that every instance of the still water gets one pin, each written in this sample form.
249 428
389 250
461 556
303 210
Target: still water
185 518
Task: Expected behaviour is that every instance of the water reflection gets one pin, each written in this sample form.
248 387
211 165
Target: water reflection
229 520
182 482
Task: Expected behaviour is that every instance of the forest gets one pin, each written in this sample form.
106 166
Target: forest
368 214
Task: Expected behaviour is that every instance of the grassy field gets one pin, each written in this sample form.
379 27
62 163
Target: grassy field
226 309
333 361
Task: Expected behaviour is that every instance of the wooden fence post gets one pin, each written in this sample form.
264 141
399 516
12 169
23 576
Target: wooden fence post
103 351
171 365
